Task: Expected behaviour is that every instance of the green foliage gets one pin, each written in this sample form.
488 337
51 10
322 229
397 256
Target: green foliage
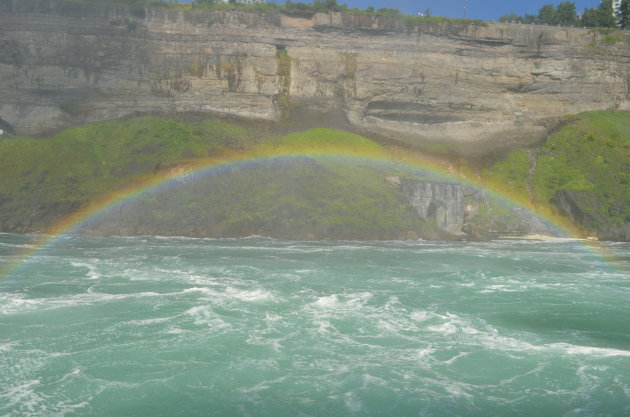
328 6
320 196
283 61
81 163
288 197
590 18
513 170
600 17
607 19
590 154
607 36
566 14
624 14
386 11
547 15
563 15
327 140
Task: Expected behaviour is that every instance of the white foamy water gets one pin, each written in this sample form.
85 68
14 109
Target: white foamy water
258 327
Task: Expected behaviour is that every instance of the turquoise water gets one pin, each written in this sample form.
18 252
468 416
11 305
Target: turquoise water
255 327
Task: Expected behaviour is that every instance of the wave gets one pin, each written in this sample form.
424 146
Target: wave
570 349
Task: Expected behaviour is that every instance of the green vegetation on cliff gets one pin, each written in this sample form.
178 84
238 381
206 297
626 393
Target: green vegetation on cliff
325 195
46 178
512 171
583 169
327 141
320 183
592 156
291 197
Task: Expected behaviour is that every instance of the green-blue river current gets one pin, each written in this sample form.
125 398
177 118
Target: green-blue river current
152 326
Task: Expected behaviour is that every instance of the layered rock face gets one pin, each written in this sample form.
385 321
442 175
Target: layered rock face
460 210
472 88
442 203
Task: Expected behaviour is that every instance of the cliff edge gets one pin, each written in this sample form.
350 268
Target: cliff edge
472 88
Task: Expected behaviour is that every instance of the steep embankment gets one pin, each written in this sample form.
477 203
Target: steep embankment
582 170
221 180
474 89
44 180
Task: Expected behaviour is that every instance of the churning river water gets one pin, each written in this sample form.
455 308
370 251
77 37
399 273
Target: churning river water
150 326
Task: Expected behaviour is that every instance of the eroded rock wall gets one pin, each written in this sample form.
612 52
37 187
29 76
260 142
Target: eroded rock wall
472 88
442 203
462 210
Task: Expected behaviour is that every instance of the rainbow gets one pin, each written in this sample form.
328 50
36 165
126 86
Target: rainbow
196 168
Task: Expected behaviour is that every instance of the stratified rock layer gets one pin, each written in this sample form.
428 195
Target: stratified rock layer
442 203
473 88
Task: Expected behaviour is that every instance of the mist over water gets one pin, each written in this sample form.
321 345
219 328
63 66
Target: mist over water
151 326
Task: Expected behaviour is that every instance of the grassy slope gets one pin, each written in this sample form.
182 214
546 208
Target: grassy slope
590 155
46 179
43 180
290 197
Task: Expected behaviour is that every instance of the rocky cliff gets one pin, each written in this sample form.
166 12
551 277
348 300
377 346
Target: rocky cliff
472 88
458 210
441 202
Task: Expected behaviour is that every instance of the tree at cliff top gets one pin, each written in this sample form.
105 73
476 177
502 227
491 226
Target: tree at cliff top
510 18
547 14
563 15
624 14
529 19
601 16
